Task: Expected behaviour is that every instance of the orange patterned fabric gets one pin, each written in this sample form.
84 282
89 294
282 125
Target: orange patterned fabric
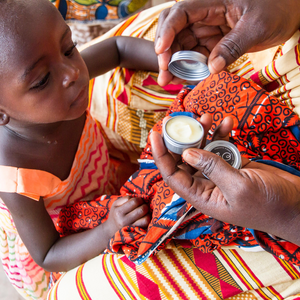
262 130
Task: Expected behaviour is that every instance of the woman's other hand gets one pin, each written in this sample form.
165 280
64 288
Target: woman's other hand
223 30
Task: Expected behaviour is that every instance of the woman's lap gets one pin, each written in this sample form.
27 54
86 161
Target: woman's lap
182 273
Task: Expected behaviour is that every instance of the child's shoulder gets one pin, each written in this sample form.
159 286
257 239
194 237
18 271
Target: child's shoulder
54 155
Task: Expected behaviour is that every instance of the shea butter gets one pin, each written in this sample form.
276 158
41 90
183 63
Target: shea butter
184 129
182 132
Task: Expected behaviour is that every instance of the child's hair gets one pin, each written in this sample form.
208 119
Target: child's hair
10 12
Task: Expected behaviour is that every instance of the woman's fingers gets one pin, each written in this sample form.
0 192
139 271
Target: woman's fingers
198 191
223 130
227 29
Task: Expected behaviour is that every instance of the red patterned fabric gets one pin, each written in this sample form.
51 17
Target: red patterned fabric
261 130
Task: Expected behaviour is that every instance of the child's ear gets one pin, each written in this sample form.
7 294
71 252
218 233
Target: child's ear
4 118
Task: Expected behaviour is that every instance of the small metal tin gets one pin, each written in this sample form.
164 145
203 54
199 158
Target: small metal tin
177 146
228 151
189 65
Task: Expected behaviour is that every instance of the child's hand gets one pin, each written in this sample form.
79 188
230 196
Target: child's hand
127 211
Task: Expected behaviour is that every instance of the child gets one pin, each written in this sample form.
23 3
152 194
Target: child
52 152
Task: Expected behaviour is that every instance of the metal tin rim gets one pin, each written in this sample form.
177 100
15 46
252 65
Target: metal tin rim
179 72
176 146
238 160
188 54
197 74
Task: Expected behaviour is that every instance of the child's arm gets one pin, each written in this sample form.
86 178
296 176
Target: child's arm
56 254
127 52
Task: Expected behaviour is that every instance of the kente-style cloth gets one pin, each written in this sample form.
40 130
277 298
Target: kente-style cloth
128 103
181 269
264 129
182 273
89 19
88 179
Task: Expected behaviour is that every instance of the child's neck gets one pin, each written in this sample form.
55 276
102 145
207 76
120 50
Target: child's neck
49 133
48 147
39 133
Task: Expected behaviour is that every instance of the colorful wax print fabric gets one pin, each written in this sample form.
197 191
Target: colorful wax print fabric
95 10
263 129
128 103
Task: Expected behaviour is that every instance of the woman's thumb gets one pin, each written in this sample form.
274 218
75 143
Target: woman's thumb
212 167
232 46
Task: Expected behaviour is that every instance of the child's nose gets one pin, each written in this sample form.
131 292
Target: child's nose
71 74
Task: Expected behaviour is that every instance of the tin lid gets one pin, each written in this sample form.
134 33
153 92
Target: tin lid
228 151
189 65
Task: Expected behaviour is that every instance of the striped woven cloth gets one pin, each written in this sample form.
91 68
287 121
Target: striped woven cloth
182 272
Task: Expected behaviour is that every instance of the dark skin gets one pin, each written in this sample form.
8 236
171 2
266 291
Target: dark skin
257 196
44 95
223 30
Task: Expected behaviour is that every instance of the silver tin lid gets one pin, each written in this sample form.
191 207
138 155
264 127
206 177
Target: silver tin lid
189 65
228 151
177 146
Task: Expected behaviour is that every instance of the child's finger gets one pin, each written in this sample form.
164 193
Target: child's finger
143 222
137 213
130 205
121 201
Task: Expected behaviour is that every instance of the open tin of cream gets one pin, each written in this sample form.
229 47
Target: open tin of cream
182 131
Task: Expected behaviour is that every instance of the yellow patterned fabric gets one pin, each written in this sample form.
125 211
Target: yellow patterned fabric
128 103
182 273
276 70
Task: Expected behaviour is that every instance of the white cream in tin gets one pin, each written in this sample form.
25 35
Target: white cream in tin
184 129
182 132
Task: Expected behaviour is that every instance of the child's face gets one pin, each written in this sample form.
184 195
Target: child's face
43 78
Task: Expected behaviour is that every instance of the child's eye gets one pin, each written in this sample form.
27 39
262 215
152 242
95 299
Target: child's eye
41 84
70 51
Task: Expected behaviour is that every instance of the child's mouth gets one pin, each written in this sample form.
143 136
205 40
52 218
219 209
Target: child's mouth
81 97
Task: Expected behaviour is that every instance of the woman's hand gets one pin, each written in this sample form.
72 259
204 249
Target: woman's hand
257 196
223 30
127 211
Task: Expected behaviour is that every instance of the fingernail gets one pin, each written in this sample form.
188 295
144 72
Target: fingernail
191 157
217 64
157 44
159 60
151 136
